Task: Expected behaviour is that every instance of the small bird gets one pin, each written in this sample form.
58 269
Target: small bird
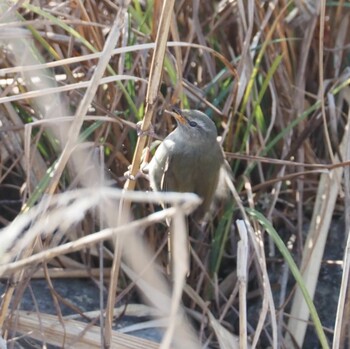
189 159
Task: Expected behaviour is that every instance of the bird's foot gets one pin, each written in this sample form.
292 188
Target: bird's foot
150 132
139 174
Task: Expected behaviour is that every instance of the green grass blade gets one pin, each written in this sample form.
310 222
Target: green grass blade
294 270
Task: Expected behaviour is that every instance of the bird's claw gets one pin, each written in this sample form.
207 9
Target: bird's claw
150 132
139 174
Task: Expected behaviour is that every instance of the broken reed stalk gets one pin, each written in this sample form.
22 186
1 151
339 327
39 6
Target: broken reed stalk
151 98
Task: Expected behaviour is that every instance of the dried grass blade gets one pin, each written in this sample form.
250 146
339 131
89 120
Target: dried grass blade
242 271
74 131
256 240
74 334
180 262
327 194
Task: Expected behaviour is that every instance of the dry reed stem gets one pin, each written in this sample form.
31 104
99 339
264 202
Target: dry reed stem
327 194
19 53
65 273
91 198
153 88
151 96
131 309
71 333
342 320
116 51
157 292
257 242
178 89
70 87
179 273
242 267
77 123
17 142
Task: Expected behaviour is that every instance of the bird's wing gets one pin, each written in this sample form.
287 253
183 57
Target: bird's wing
161 174
170 168
169 181
165 173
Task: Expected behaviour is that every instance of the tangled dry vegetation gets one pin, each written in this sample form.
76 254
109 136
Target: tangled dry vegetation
76 77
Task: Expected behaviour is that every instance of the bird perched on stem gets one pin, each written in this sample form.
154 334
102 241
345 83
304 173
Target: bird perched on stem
189 159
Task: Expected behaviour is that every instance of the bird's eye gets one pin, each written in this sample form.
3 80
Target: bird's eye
192 123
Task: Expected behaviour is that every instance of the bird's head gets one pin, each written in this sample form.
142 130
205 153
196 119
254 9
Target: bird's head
193 123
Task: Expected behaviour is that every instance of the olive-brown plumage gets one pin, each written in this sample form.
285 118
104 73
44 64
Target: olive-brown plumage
189 159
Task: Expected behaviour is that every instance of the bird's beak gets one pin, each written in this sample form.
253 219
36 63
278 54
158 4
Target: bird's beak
177 114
